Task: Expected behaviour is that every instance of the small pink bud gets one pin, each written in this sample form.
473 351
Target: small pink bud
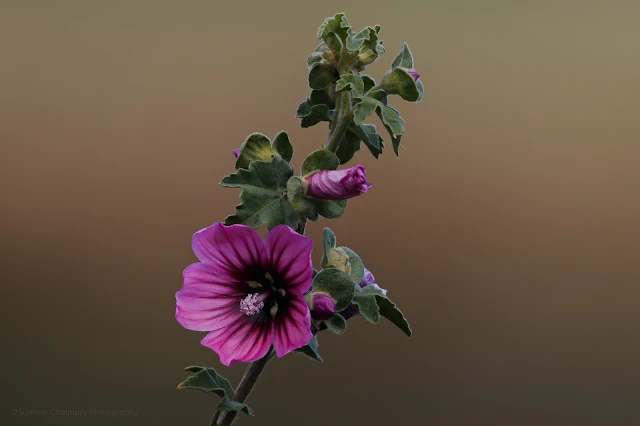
338 184
322 306
236 152
414 75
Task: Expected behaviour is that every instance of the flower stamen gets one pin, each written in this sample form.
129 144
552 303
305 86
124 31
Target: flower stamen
274 309
251 305
254 284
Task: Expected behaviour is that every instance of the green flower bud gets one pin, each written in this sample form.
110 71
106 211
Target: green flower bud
339 259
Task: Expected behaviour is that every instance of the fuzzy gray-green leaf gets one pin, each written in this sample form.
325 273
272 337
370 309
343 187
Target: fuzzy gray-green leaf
331 209
302 205
364 109
337 24
230 405
404 58
368 134
399 82
390 311
351 82
283 146
262 198
206 379
313 114
319 160
336 284
257 147
368 308
348 147
321 75
311 350
356 265
337 324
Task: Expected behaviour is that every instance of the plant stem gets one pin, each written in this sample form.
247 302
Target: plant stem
251 374
342 121
301 226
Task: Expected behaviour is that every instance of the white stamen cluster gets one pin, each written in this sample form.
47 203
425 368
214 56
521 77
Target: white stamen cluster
251 304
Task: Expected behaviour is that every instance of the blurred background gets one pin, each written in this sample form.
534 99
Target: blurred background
508 231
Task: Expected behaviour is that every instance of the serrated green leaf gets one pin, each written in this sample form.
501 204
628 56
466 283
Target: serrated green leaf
367 37
350 82
368 134
283 146
337 285
368 82
304 109
257 147
319 160
368 307
320 97
348 147
364 108
313 114
337 324
390 311
321 75
206 379
262 198
230 405
404 58
420 87
399 82
337 24
311 350
389 117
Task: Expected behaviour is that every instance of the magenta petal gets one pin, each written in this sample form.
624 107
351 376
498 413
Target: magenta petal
290 255
233 249
204 298
242 339
292 330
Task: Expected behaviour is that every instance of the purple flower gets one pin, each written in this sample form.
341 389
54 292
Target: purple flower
369 280
236 152
413 74
247 293
322 306
338 184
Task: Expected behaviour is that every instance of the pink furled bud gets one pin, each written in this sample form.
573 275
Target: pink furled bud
322 306
414 74
338 184
236 152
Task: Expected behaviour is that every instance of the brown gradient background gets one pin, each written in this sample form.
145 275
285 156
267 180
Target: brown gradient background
508 231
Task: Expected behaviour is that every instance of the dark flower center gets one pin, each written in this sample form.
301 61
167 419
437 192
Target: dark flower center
266 296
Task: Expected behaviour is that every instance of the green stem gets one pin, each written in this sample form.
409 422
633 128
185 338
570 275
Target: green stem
342 121
249 379
375 88
301 226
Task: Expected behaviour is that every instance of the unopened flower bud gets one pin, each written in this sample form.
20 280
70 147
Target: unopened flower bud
414 75
322 306
366 57
339 259
338 184
236 152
